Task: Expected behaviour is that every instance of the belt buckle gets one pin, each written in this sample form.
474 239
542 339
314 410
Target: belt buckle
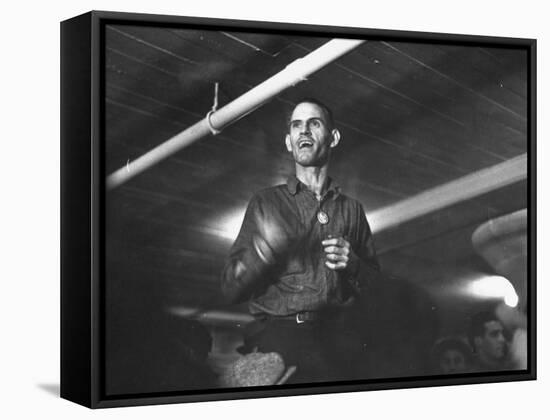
299 319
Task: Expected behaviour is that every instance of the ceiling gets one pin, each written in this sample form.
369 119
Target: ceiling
413 116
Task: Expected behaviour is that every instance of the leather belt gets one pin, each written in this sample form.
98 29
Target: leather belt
300 317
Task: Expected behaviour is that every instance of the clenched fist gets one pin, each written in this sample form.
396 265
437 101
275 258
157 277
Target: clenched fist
338 253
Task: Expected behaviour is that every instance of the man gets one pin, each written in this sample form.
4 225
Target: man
303 255
486 336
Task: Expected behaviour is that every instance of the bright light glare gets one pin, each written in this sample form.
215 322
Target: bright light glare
231 225
495 287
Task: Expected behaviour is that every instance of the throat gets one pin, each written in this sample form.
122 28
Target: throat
314 178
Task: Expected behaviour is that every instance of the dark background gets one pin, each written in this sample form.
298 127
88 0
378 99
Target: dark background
413 117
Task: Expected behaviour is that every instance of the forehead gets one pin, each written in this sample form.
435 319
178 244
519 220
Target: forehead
493 326
306 110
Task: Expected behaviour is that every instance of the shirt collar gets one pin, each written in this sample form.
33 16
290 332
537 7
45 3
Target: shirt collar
294 185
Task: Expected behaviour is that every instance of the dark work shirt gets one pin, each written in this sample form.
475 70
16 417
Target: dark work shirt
299 280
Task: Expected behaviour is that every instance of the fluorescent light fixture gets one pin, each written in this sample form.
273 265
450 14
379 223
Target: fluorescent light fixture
494 287
444 195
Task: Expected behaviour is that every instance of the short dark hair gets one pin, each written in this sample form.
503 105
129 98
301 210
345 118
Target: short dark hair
451 343
477 325
308 100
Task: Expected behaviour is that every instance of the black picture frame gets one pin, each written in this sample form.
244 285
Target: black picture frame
83 189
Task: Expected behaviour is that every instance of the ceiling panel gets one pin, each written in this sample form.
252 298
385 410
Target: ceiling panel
413 116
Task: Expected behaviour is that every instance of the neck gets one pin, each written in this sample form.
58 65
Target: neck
314 177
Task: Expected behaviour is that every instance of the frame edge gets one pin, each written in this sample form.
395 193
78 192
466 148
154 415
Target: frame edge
75 184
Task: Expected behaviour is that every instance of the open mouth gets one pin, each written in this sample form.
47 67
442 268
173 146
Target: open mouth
302 144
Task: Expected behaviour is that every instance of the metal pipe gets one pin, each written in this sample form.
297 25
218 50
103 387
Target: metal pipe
294 73
461 189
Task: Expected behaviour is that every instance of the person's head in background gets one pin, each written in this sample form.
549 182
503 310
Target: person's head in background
451 355
486 336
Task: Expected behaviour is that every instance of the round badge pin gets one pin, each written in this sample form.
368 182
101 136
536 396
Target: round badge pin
322 217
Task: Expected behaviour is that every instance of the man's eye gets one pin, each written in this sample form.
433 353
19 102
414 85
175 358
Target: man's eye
315 123
295 124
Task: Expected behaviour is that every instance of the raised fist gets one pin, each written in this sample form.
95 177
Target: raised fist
277 234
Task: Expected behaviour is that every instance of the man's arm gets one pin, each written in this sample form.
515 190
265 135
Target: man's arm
264 239
245 266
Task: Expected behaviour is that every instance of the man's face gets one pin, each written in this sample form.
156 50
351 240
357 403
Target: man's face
493 342
310 138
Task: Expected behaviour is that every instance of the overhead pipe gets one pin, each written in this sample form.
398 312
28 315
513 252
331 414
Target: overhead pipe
461 189
294 73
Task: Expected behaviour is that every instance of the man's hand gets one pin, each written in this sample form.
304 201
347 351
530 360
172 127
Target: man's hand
338 252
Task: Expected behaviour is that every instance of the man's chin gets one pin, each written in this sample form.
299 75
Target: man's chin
306 164
309 161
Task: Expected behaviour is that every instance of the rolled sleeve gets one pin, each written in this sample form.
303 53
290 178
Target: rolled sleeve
363 266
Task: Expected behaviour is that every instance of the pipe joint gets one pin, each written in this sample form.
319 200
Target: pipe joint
212 129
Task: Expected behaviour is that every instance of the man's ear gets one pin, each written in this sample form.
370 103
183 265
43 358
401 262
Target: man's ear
477 342
288 143
335 137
